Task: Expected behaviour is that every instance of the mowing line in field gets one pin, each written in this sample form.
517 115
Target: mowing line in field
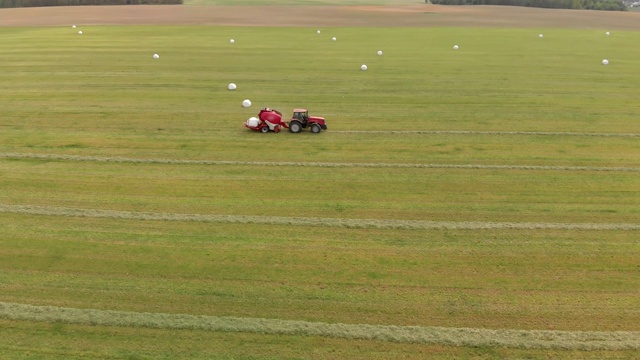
527 339
471 132
58 157
308 221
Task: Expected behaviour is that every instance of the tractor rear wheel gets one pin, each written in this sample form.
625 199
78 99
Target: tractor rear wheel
295 127
315 128
265 129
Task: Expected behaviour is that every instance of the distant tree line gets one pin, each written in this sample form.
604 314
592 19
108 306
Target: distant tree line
615 5
33 3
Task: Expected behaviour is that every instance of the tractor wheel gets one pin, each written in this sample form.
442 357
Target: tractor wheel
315 128
265 130
295 127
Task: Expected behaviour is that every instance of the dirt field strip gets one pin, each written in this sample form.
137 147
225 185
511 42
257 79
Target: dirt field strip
413 15
304 221
311 164
462 132
527 339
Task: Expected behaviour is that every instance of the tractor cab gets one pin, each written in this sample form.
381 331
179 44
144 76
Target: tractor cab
301 115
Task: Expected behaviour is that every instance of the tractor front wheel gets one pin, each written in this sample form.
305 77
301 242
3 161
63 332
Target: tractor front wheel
295 127
315 128
265 129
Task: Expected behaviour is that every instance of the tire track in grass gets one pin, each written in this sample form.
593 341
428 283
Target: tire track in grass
57 157
308 221
524 339
471 132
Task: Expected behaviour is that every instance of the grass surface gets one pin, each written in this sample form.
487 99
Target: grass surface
565 340
119 343
504 278
510 128
495 195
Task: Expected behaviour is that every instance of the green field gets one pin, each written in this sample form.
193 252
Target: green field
492 188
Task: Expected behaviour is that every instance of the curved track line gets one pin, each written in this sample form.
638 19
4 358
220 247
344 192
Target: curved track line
470 132
304 221
309 164
540 339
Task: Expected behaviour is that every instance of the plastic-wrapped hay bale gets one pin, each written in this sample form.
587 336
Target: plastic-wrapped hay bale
253 121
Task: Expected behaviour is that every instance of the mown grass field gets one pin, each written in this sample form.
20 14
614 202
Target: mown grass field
98 141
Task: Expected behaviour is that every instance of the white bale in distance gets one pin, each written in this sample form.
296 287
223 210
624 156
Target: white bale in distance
253 121
246 103
80 32
379 52
231 41
607 33
605 62
73 26
455 47
334 38
318 32
231 86
540 36
156 56
363 67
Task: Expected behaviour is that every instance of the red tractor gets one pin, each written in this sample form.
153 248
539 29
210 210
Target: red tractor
271 120
301 120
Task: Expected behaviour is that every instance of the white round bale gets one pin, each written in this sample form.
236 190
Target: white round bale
318 32
363 67
246 103
73 26
334 38
156 56
540 36
253 121
80 32
455 47
379 52
607 33
231 86
605 62
232 41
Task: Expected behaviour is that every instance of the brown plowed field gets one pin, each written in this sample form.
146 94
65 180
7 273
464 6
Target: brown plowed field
419 15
